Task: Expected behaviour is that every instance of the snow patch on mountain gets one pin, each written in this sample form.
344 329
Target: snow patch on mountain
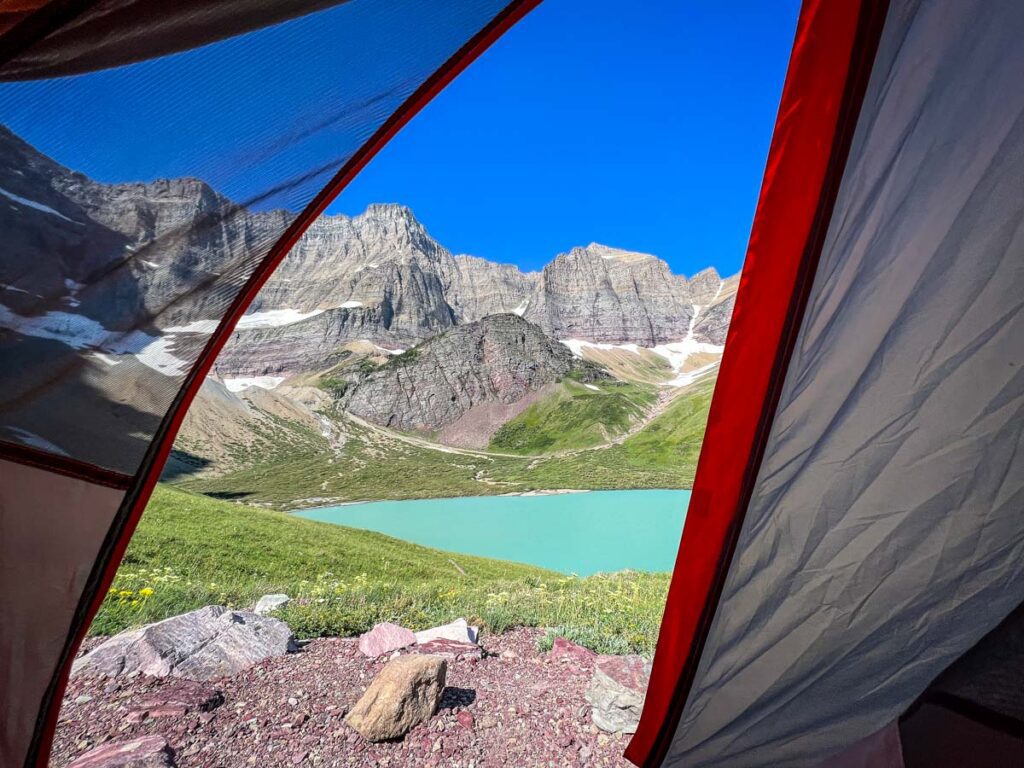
37 206
242 383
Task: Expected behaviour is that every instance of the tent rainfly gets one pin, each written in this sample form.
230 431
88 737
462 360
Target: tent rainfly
853 555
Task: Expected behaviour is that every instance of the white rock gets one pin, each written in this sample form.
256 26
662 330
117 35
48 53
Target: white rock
269 603
458 631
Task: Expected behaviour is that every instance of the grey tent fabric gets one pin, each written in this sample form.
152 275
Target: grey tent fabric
51 527
884 536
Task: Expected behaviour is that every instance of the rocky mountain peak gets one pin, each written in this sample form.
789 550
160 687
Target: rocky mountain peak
705 286
620 255
389 211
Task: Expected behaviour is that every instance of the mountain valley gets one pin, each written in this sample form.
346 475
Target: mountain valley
374 363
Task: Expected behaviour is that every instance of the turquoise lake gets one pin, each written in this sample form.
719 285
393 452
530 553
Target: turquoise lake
579 533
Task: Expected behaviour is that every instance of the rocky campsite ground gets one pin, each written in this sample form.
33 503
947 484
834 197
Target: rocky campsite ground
515 706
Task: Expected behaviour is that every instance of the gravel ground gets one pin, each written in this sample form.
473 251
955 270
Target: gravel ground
515 708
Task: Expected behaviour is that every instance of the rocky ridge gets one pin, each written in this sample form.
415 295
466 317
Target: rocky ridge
501 358
380 277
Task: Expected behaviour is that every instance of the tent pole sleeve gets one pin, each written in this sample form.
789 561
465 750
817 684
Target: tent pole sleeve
146 478
832 56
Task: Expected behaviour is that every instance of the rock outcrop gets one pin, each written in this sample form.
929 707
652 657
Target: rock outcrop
616 693
207 643
405 693
501 358
140 255
98 275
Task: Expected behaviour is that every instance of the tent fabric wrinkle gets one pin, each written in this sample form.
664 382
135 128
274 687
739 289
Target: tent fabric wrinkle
883 538
801 164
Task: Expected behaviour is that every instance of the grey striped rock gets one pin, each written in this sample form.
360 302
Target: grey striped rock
207 643
458 630
616 692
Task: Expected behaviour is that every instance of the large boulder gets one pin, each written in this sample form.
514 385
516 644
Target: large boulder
405 693
146 752
385 638
616 692
208 643
269 603
458 631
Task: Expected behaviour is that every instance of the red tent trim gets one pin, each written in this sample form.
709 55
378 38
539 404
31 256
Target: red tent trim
63 465
833 53
149 473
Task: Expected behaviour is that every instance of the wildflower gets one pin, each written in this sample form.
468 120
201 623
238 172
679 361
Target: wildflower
146 592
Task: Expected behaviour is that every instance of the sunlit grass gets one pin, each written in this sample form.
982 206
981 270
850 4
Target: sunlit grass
191 551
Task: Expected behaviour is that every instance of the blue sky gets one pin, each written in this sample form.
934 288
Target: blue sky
643 126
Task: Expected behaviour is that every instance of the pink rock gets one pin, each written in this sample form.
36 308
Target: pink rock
168 710
385 638
566 650
465 720
631 672
450 649
180 697
146 752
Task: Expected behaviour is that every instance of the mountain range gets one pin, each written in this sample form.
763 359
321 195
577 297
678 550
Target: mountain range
109 291
380 277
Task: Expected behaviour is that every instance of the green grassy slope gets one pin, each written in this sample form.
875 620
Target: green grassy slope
662 455
577 416
191 551
372 466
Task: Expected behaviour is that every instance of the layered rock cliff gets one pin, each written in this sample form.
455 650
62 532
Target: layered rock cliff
501 358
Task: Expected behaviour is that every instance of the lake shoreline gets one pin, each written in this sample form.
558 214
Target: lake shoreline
564 530
537 492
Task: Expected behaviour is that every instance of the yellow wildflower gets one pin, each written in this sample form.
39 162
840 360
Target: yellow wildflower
145 592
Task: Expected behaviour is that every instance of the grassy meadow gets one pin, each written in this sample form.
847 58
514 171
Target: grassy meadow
191 551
